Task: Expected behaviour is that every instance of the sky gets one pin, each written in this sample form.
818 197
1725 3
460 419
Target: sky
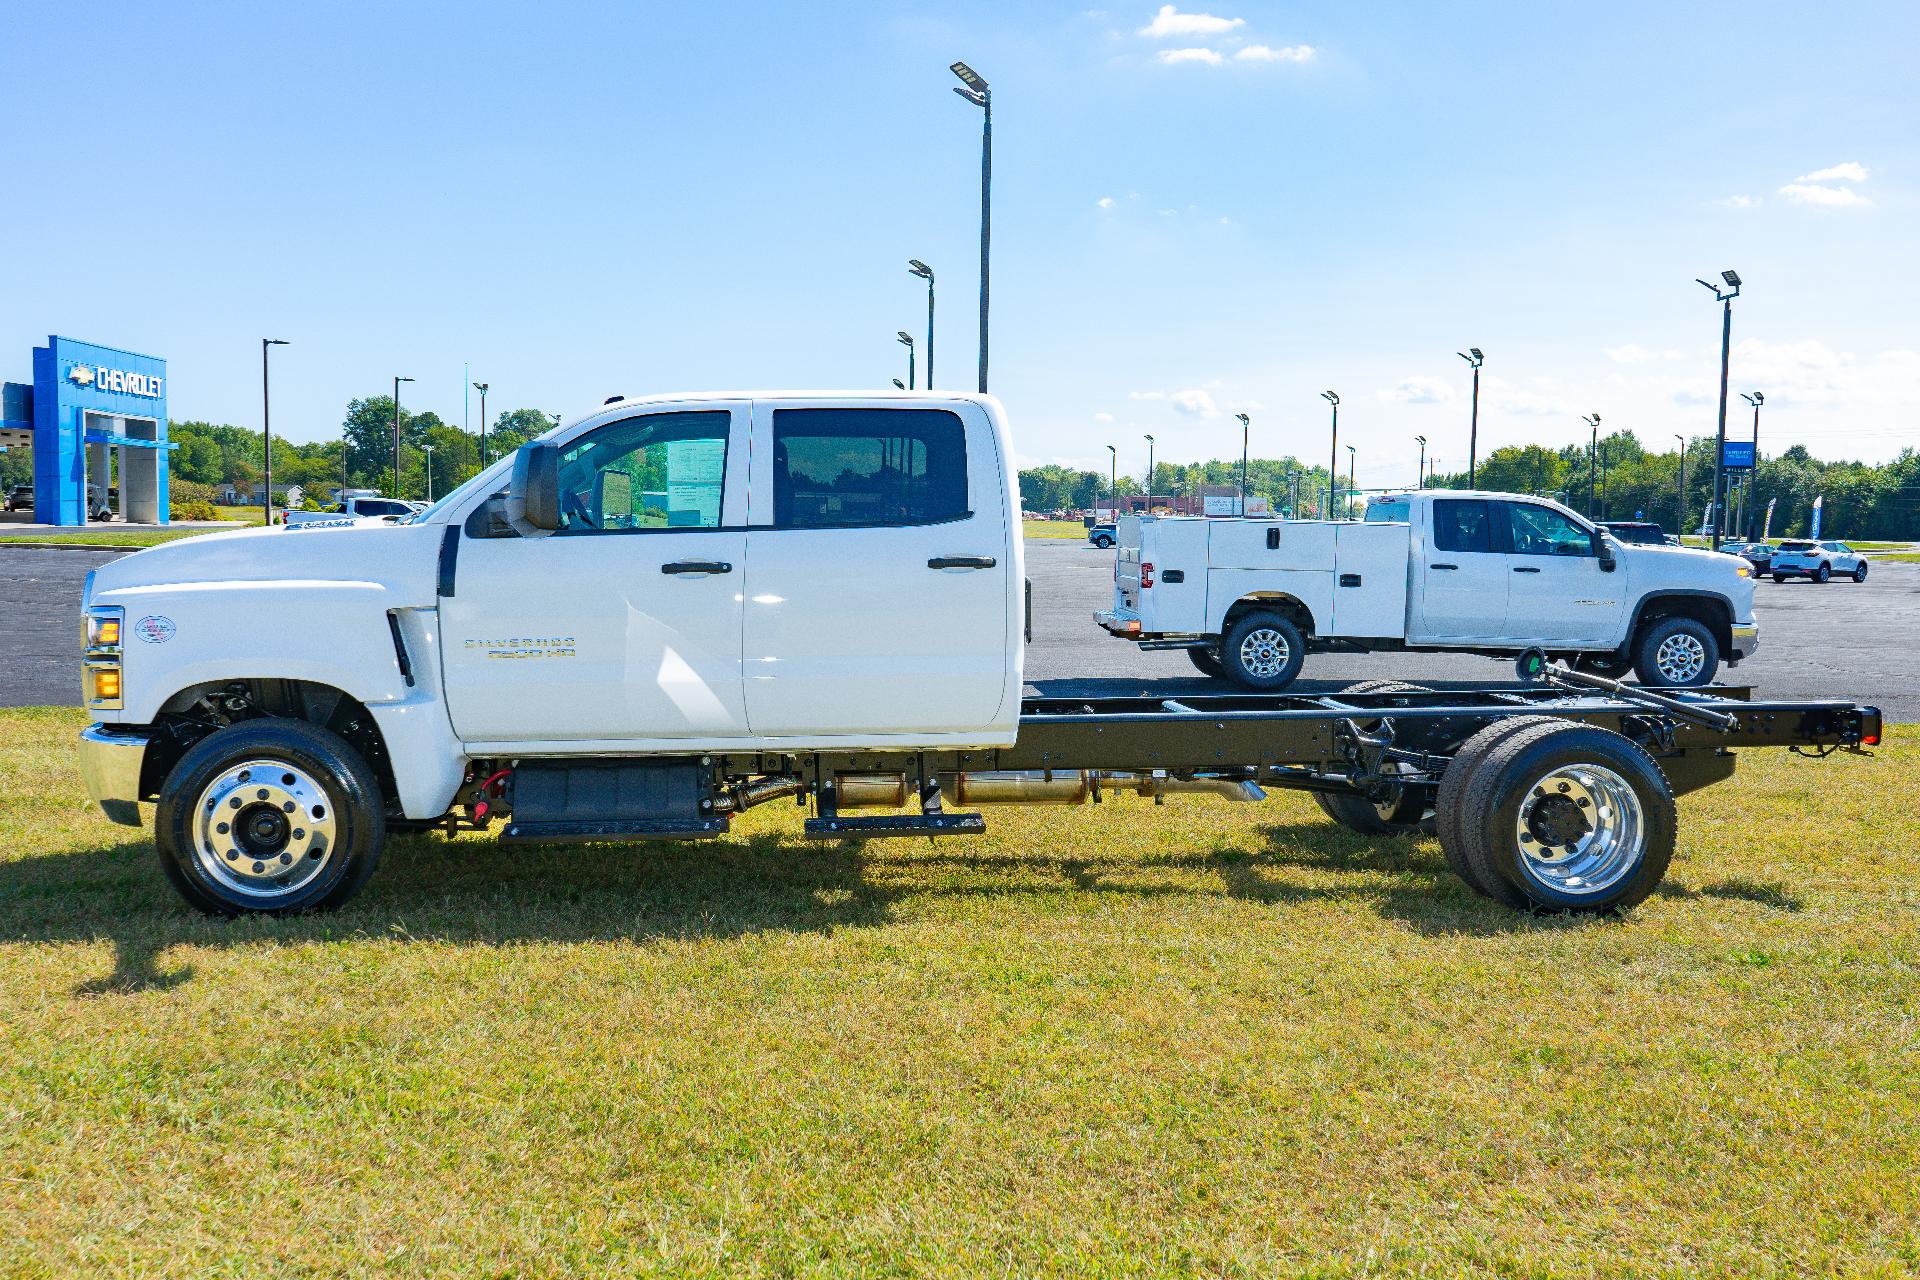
1198 210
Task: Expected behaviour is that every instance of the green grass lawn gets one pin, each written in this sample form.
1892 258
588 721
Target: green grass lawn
1205 1039
109 535
1054 529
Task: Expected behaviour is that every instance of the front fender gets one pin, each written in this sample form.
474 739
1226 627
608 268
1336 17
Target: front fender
335 633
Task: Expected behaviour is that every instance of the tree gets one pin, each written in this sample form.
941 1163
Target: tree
514 428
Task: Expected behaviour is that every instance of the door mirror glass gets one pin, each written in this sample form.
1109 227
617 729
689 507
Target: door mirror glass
534 496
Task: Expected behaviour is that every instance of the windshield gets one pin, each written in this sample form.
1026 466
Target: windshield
497 474
1796 546
1388 511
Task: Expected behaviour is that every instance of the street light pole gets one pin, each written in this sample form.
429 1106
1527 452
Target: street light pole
977 92
428 450
1333 464
1756 399
266 430
1725 298
905 339
1113 484
1681 506
1593 460
1149 475
925 272
396 433
1351 454
1246 432
1422 475
1473 433
481 387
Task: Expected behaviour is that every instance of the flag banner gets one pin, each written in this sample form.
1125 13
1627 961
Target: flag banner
1817 504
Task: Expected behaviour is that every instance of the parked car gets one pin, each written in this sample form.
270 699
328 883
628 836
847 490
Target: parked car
20 498
356 507
1757 554
1640 533
1102 535
1820 561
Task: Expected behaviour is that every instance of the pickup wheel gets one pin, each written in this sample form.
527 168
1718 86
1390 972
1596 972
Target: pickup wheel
1610 665
1207 662
1263 651
1103 542
1399 811
1565 817
1676 653
274 816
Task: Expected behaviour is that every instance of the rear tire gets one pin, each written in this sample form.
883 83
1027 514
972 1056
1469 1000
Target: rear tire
1823 574
1458 781
1676 653
1779 577
1566 817
1103 543
274 816
1207 662
1263 652
1610 665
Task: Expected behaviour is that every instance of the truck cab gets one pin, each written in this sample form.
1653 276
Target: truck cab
1493 573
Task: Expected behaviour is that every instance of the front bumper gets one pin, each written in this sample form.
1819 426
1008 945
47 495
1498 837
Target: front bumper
1746 639
110 761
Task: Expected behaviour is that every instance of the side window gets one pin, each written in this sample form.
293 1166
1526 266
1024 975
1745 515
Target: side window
1542 531
1462 524
848 467
659 471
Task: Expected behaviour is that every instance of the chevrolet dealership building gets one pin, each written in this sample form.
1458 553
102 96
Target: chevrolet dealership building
95 418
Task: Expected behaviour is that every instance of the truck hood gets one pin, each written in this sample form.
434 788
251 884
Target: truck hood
401 558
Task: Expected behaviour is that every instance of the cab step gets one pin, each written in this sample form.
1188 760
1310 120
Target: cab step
902 824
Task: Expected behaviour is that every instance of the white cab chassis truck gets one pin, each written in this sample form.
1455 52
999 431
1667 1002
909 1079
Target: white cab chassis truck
1492 573
673 610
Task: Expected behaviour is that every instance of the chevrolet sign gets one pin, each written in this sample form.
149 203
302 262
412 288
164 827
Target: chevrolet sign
105 379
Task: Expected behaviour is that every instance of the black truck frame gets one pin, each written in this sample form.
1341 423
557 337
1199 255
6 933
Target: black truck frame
1556 793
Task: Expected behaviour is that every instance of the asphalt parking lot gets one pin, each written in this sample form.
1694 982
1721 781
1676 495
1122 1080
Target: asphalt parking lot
1842 640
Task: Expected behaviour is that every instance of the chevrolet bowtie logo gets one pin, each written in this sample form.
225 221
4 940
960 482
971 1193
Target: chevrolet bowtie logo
81 375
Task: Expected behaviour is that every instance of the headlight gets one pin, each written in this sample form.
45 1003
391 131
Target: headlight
101 629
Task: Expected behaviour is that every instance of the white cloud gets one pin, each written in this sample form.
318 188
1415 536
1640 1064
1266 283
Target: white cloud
1634 353
1851 171
1824 197
1539 398
1175 56
1265 53
1193 402
1739 202
1104 202
1103 417
1171 22
1418 390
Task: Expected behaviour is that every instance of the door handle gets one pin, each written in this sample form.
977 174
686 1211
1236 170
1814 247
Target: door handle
962 562
1522 568
1443 566
696 566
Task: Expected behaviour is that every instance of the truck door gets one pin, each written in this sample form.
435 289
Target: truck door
1461 586
878 574
625 623
1558 591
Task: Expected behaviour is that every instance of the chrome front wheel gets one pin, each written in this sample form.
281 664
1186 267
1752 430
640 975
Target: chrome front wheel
264 830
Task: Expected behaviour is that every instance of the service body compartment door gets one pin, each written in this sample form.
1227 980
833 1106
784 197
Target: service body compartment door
1370 582
879 566
625 624
1176 548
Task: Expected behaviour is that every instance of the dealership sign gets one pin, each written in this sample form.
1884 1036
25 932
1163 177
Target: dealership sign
101 378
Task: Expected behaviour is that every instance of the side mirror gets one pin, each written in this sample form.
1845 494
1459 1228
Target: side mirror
1603 548
534 495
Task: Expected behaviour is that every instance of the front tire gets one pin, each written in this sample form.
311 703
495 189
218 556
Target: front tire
1677 653
274 816
1103 543
1860 572
1263 652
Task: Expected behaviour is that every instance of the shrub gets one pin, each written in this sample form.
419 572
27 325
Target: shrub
193 509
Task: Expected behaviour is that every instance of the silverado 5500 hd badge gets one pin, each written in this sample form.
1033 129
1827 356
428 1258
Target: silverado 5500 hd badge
526 647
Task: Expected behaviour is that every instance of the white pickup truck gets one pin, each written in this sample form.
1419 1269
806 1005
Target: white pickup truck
674 610
357 506
1495 573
